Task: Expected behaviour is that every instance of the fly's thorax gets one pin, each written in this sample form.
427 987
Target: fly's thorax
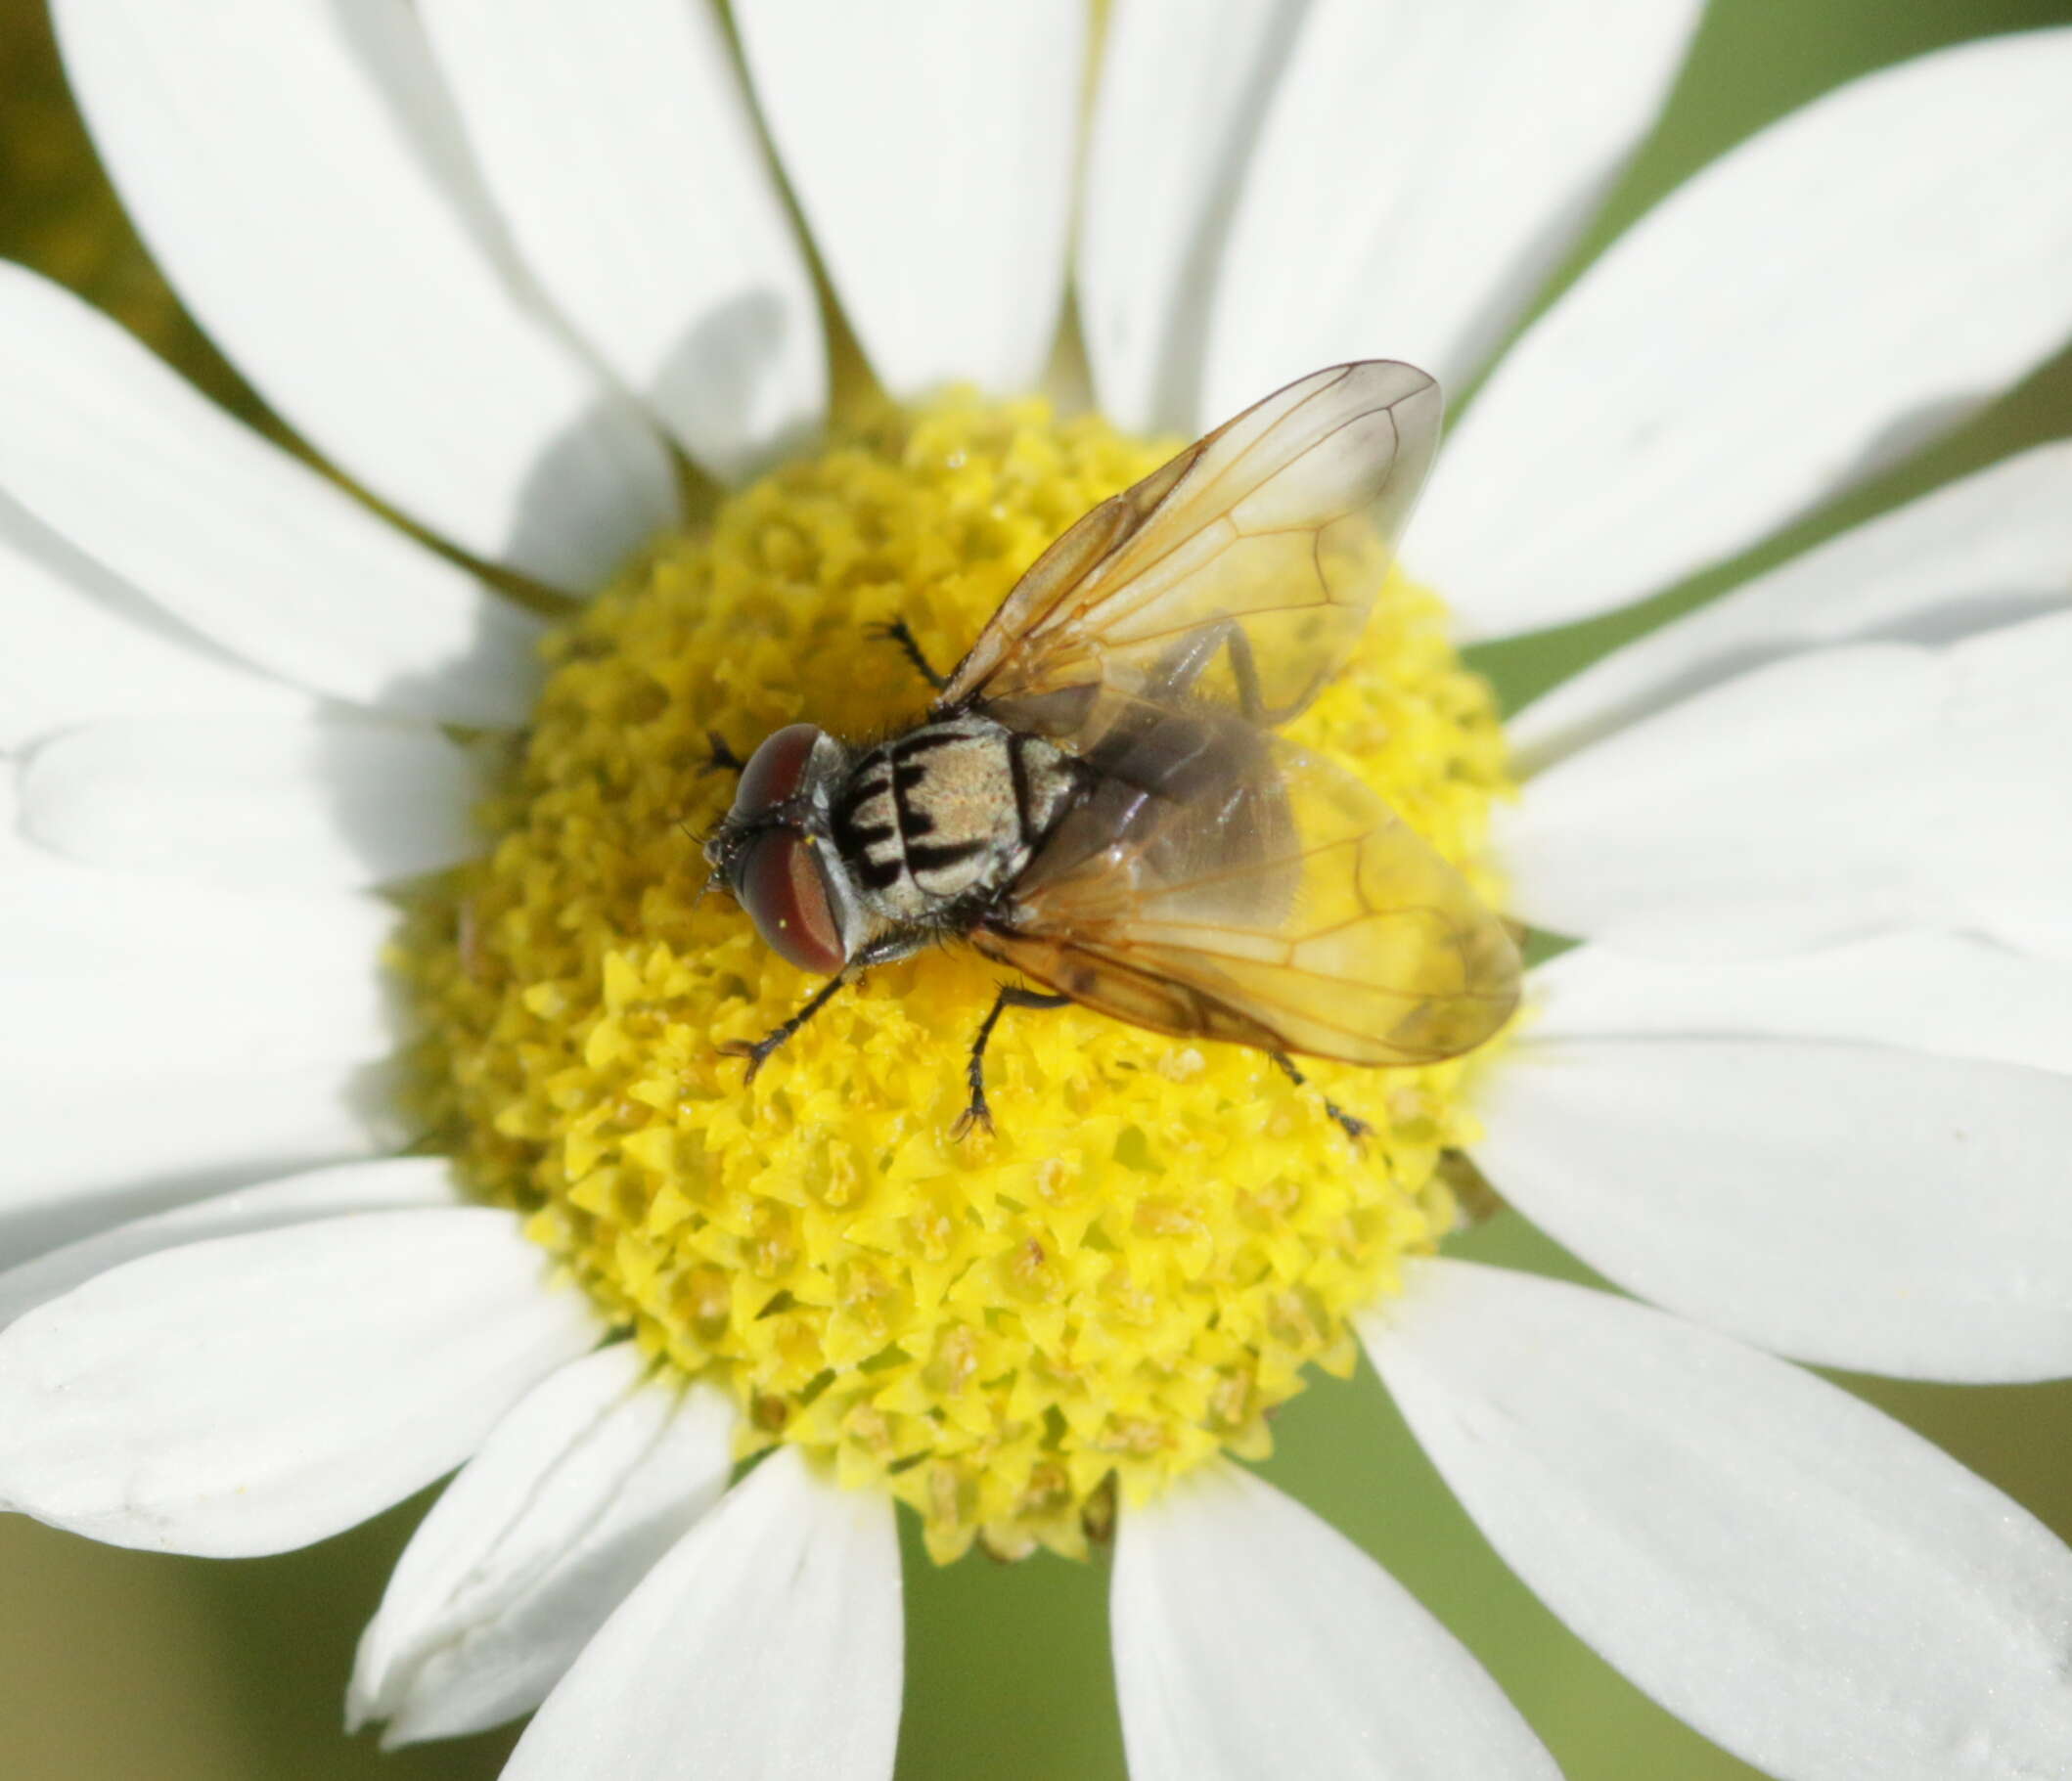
946 814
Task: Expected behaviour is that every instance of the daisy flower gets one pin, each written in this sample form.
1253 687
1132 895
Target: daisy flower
279 763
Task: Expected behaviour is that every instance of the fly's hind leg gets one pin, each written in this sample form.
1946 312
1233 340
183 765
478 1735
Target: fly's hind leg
1011 995
1176 674
1354 1128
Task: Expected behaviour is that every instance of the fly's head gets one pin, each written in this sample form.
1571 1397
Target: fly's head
773 850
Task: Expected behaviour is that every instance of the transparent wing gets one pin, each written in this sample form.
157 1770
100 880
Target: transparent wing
1240 573
1220 883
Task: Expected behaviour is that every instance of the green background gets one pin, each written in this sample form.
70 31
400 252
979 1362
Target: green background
119 1664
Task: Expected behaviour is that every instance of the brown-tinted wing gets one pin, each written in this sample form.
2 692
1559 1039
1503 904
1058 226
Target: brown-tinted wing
1235 888
1240 573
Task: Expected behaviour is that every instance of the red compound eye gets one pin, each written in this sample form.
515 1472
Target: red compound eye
782 887
774 770
778 878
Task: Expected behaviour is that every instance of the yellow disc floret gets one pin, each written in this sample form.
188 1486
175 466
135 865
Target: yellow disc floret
1138 1265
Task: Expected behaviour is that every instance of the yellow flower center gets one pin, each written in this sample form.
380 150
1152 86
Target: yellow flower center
1001 1330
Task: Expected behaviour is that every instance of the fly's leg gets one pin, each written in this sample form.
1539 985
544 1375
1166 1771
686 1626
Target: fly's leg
897 632
1177 673
1354 1128
893 946
1011 995
1476 1201
758 1052
1247 668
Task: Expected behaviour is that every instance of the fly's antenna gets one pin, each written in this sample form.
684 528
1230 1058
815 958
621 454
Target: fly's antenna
702 842
704 890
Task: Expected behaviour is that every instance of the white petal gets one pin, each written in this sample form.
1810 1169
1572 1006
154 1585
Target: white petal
1979 552
1420 173
1848 1204
1830 294
2002 767
1184 84
255 551
256 1393
1841 792
83 645
625 156
1799 1578
1787 807
931 143
765 1646
298 177
104 971
573 1497
150 1052
89 1147
1253 1640
395 1184
326 800
1948 994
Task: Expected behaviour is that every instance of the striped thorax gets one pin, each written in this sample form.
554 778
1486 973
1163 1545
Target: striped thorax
946 814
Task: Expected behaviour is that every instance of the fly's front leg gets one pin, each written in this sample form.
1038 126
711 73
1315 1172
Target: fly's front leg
721 759
1354 1128
1011 995
897 632
758 1052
